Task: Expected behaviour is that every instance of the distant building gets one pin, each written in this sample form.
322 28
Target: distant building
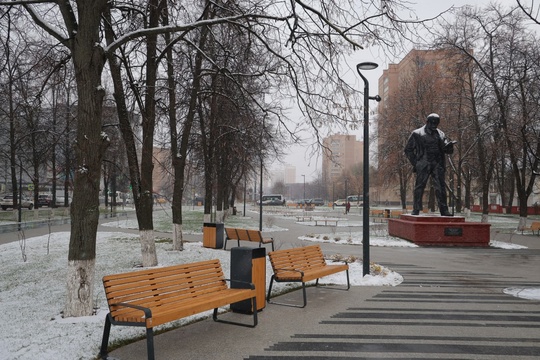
289 174
340 153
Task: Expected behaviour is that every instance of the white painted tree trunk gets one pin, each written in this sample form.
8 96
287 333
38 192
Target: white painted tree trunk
178 239
80 288
485 218
219 216
148 248
207 218
522 223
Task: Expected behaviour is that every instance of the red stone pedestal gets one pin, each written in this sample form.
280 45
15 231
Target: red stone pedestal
439 231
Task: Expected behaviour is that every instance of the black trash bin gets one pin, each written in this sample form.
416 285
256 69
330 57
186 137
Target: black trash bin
249 265
213 235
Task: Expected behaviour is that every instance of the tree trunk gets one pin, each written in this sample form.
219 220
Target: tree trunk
179 153
148 248
145 215
88 61
177 160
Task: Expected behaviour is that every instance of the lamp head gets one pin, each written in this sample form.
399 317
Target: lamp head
367 66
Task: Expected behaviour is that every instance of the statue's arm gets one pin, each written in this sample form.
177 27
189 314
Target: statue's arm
448 146
410 148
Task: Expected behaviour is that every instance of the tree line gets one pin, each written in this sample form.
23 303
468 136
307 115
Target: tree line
486 89
209 77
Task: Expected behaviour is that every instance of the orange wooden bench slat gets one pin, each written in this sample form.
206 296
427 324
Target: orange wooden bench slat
256 235
243 235
157 296
246 235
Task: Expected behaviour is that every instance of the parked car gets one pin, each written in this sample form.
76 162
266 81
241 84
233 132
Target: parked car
44 200
272 199
340 202
303 201
357 200
7 202
61 201
317 202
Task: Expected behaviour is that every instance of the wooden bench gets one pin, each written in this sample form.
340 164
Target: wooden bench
535 226
302 264
246 235
326 221
156 296
377 212
303 218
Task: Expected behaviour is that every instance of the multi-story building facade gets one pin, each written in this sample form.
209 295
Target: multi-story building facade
341 153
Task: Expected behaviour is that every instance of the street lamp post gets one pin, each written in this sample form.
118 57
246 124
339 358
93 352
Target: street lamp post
304 176
260 197
365 208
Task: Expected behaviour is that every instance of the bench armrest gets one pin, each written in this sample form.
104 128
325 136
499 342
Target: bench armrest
246 284
296 270
147 311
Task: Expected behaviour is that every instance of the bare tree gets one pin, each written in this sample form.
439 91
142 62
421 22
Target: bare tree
504 53
531 9
319 36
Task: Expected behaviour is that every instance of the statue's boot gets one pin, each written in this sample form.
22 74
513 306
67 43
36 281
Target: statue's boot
445 212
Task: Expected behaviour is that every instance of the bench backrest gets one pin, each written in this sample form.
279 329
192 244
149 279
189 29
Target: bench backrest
242 234
254 235
165 285
301 258
231 233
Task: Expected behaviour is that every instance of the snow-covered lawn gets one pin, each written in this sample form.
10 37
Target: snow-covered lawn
32 292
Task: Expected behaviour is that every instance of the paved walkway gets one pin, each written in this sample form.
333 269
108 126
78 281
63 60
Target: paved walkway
451 305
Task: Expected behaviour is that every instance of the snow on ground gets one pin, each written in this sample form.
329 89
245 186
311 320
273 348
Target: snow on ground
32 292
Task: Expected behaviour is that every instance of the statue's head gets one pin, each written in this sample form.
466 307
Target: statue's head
433 121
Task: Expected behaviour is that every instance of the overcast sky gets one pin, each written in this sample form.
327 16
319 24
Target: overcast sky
311 166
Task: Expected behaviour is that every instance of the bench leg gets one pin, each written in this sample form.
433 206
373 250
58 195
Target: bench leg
225 244
255 319
103 353
285 304
150 343
105 340
332 287
270 289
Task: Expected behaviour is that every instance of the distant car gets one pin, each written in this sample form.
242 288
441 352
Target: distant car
44 200
61 201
272 199
303 201
317 202
7 202
356 200
340 202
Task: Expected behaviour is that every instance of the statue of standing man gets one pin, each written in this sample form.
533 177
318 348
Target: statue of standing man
426 149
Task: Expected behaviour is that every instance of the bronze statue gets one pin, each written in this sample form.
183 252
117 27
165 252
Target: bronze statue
426 149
